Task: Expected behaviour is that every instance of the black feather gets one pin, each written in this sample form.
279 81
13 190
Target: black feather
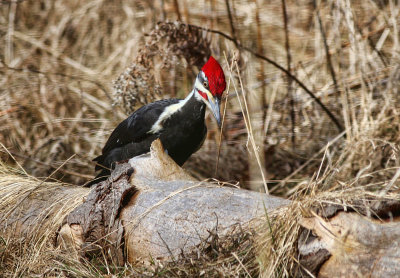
182 134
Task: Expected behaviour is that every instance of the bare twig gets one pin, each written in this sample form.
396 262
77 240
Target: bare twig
163 14
9 49
371 43
275 64
246 118
233 31
327 53
186 11
289 79
178 13
260 49
222 125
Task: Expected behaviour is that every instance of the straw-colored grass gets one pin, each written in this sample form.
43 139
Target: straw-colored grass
29 228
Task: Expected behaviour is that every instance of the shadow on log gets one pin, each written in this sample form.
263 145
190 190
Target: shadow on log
150 207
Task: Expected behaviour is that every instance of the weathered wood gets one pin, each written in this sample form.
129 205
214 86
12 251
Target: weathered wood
95 224
151 207
34 210
349 244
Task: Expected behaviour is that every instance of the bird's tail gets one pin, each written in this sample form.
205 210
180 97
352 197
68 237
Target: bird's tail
99 163
102 176
104 172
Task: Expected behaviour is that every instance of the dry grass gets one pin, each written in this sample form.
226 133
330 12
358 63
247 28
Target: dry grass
28 239
58 60
27 251
277 250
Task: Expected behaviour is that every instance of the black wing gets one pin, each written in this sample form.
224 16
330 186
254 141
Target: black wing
135 128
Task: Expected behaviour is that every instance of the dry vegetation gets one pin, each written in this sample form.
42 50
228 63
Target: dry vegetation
58 61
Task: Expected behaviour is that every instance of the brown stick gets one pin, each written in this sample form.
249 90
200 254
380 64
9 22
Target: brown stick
275 64
327 52
260 49
233 32
178 13
289 79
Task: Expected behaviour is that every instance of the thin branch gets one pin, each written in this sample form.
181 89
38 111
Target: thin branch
9 49
246 117
260 49
163 14
275 64
228 8
178 13
186 11
371 43
369 35
223 122
289 79
326 46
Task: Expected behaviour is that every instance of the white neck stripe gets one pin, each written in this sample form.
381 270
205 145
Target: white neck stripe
168 112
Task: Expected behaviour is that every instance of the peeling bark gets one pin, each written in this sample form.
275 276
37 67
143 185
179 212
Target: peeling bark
150 207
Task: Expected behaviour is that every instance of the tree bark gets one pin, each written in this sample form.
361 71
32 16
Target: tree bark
151 208
349 244
148 208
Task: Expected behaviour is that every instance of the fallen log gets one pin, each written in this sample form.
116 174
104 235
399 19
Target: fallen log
148 208
340 242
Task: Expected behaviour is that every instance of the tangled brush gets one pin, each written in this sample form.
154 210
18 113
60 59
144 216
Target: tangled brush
169 41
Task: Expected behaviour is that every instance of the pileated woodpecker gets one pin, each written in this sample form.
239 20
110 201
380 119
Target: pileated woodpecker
179 123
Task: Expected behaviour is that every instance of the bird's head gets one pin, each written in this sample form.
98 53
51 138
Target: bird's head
210 85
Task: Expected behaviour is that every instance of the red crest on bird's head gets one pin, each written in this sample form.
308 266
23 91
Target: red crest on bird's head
215 76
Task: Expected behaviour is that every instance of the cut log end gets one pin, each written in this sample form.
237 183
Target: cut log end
351 245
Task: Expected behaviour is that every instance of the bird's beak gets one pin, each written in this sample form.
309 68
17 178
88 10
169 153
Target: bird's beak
214 105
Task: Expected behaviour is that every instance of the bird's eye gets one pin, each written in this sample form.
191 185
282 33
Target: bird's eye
205 84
